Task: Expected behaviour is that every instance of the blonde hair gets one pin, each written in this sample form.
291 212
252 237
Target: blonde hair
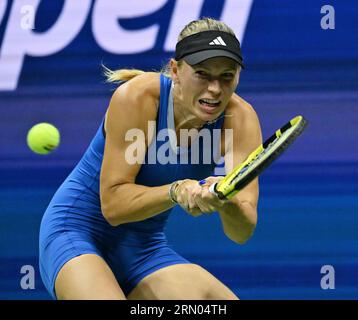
196 26
205 24
120 74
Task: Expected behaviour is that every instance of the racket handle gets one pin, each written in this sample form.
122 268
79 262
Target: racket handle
219 194
212 188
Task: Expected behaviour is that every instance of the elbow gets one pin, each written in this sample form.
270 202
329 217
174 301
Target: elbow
112 221
239 239
111 215
110 209
243 236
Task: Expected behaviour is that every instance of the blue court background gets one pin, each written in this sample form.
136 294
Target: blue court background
308 198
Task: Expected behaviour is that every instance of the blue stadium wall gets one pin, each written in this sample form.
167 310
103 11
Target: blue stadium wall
308 199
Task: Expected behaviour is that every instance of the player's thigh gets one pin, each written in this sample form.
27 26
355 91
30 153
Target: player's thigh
181 282
87 277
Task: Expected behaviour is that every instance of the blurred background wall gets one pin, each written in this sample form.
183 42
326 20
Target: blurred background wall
294 65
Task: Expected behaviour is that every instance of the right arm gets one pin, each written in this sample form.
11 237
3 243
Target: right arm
132 106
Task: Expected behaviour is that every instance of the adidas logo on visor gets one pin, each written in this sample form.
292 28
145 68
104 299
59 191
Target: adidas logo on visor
218 41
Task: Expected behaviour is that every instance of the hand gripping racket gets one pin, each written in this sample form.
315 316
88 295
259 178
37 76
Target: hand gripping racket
259 159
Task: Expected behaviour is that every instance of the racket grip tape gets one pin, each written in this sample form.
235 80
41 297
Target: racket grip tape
213 190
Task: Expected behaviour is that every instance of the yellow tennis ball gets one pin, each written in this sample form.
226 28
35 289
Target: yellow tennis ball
43 138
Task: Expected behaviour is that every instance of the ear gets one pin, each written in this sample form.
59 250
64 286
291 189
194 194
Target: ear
174 70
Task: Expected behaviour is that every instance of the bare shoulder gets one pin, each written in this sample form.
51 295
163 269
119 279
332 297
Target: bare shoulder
147 83
135 102
240 113
139 94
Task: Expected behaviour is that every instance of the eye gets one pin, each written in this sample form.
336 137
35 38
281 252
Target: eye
201 74
228 75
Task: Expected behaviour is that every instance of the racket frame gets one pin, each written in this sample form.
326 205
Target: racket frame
248 170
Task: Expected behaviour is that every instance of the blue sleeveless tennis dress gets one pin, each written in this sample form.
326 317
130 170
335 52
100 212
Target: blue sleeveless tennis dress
73 223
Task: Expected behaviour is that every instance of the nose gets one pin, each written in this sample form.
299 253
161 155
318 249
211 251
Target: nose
214 87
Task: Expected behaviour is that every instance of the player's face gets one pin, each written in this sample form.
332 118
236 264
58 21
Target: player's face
207 87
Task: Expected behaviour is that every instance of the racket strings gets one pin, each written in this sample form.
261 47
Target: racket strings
261 158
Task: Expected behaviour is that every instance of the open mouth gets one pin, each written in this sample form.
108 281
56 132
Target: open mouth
209 103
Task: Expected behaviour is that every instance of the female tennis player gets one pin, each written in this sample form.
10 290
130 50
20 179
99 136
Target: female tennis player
102 234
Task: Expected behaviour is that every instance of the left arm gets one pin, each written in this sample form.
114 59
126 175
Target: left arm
239 214
239 218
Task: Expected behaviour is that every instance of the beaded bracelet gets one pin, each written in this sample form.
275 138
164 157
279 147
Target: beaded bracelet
173 188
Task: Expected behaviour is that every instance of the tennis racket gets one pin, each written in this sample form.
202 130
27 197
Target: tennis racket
259 159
